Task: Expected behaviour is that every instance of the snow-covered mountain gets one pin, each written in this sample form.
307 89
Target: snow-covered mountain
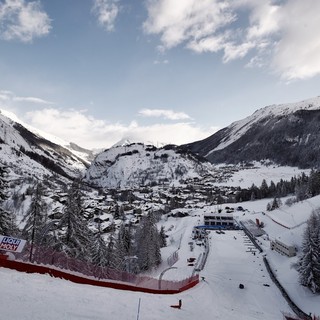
287 134
29 152
140 165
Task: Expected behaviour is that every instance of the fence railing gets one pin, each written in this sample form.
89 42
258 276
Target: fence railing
284 293
173 258
53 262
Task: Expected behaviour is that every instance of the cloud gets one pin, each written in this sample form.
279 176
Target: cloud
32 100
24 21
210 25
278 34
184 21
106 12
213 26
297 54
167 114
10 97
5 95
165 61
89 132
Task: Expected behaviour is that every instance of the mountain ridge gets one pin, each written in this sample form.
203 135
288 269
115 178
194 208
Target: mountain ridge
29 153
286 134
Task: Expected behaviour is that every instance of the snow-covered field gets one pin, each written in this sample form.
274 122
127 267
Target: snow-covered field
231 261
244 178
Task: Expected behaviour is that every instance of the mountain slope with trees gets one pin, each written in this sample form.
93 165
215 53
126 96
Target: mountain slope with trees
286 134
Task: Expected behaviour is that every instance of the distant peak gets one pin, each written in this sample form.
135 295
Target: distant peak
126 141
123 142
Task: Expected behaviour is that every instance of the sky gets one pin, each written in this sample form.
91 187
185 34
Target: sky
94 72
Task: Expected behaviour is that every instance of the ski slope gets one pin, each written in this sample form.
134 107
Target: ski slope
32 296
232 260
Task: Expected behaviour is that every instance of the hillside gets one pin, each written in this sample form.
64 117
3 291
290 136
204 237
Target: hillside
145 165
287 134
29 152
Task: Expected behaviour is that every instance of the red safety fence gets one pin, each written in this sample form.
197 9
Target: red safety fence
58 264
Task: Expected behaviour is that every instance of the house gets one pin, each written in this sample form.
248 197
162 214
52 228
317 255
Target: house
285 249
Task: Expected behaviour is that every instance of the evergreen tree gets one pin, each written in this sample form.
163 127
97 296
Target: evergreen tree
7 223
304 178
264 189
35 219
272 189
314 183
301 192
254 192
310 259
110 253
147 244
7 219
99 250
162 237
123 247
293 183
276 203
3 183
282 188
76 237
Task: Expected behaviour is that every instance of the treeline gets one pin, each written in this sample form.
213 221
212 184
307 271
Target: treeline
303 187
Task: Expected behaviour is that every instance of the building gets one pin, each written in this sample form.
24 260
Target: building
219 220
252 228
287 250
